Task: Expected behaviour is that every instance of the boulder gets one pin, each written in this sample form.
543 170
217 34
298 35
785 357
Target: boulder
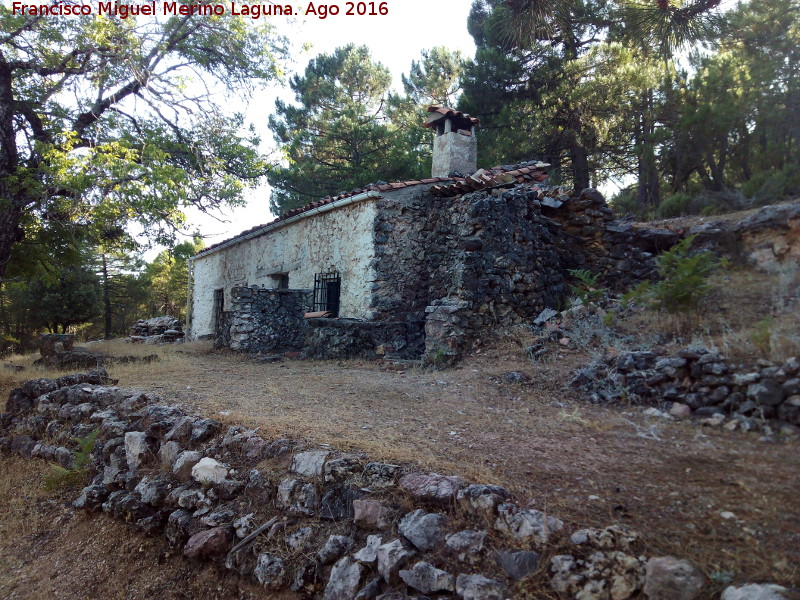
670 578
208 470
209 543
433 487
478 587
422 529
756 591
344 581
426 578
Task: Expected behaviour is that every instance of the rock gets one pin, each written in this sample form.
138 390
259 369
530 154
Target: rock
654 412
309 464
680 411
344 581
756 591
342 468
467 544
670 578
204 429
422 529
337 503
527 523
181 431
369 553
334 548
518 565
297 497
153 491
180 527
433 486
137 450
481 498
478 587
371 514
766 392
270 571
208 470
298 541
92 497
392 556
544 316
381 475
191 499
244 525
370 591
427 579
209 543
516 377
221 516
168 453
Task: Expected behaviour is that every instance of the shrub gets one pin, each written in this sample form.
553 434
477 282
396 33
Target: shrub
586 288
684 280
673 206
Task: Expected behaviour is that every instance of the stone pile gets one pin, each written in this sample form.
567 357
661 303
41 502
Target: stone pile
701 382
157 330
331 525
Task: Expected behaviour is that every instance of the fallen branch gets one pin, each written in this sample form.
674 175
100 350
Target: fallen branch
253 535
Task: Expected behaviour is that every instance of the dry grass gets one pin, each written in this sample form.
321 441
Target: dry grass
49 551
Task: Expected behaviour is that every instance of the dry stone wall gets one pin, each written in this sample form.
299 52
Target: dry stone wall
321 523
698 381
267 320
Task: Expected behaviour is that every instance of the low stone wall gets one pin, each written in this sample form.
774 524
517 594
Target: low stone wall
350 338
701 382
321 523
268 320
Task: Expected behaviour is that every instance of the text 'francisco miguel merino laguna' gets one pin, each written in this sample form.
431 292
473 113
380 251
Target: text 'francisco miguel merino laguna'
123 11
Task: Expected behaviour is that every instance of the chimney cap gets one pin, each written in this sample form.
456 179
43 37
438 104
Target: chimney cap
442 112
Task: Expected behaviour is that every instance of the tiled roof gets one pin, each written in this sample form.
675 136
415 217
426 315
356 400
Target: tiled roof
533 171
442 186
448 112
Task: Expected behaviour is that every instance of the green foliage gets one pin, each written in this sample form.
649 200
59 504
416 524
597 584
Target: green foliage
675 205
768 187
683 282
61 477
116 121
167 279
71 298
586 288
338 135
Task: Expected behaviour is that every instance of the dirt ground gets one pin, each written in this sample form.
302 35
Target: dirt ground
589 465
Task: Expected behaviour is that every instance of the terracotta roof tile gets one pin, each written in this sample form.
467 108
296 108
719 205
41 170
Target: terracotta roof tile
450 112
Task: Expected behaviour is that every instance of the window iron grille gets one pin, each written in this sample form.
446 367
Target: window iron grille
327 287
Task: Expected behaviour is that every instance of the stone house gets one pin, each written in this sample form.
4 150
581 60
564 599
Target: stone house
404 268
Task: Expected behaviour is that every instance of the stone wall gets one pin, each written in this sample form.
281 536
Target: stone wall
702 382
348 338
267 320
315 521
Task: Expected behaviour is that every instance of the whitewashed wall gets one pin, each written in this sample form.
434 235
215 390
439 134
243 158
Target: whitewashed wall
338 240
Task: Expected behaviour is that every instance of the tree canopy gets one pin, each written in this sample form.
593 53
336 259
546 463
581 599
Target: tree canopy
338 136
104 121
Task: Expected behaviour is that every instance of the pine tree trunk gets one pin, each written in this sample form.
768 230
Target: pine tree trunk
106 298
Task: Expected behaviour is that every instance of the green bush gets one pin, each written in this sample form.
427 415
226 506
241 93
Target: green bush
684 280
675 205
626 203
768 187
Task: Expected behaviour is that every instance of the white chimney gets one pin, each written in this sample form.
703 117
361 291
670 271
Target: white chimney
455 147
